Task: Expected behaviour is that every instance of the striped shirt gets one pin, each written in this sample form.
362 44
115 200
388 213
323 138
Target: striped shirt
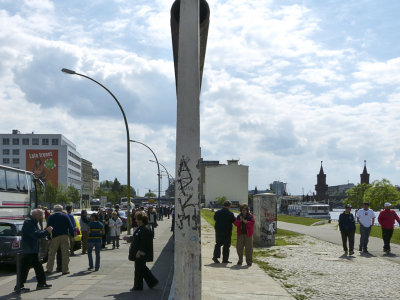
95 232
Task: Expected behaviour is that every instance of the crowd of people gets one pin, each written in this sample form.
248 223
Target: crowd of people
98 230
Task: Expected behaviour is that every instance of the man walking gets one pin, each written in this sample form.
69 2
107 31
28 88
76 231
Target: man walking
366 218
347 226
31 235
386 218
72 219
224 219
62 230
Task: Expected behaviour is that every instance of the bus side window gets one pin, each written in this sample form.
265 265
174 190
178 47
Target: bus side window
22 183
2 180
12 180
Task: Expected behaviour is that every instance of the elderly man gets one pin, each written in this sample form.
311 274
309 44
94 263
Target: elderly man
31 234
386 218
366 218
224 220
62 230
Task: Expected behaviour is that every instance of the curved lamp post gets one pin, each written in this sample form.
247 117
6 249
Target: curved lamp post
128 161
169 175
158 167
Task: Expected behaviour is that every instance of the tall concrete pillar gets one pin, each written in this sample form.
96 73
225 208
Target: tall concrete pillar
187 202
265 216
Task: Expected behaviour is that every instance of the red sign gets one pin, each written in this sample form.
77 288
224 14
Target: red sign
44 164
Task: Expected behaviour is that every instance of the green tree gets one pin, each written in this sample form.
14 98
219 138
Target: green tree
220 200
98 193
73 194
116 186
150 194
62 194
355 195
381 192
124 192
50 193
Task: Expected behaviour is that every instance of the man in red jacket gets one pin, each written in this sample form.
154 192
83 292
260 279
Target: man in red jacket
386 219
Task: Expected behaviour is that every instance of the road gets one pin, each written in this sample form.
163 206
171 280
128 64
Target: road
112 281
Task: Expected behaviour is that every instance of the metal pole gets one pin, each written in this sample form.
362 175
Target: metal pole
169 175
128 150
158 166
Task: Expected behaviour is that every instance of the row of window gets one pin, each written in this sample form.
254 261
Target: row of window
13 181
73 155
74 164
25 141
73 181
7 151
7 160
70 171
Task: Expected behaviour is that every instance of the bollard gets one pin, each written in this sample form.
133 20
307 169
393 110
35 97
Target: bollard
18 285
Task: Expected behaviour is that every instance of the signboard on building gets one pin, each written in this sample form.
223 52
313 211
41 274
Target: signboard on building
44 164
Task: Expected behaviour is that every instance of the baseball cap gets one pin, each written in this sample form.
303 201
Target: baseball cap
366 203
347 206
388 204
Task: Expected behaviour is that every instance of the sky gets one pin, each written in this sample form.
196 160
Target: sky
286 85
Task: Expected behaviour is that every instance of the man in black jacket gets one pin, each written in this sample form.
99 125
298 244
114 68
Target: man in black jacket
347 226
31 234
224 219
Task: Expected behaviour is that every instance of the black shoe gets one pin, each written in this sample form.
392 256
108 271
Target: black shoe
226 262
216 260
249 265
90 268
366 252
351 252
22 289
43 286
66 273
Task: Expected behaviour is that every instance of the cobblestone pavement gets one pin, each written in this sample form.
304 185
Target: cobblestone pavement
316 269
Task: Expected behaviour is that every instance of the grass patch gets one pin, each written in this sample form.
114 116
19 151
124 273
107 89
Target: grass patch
376 231
270 270
299 297
298 220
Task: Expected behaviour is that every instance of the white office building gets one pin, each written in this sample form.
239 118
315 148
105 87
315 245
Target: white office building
52 157
229 180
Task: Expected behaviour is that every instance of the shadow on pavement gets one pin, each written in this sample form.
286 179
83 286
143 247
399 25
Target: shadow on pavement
163 270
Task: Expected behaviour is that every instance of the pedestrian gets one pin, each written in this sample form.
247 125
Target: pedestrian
72 239
115 224
103 218
347 226
62 231
152 215
31 235
245 229
84 222
108 229
142 251
224 219
96 232
366 218
386 218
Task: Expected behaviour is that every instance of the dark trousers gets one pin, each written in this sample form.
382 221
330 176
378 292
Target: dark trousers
364 232
387 236
115 240
348 235
28 261
143 272
225 242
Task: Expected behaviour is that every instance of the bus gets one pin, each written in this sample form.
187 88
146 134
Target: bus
18 193
95 204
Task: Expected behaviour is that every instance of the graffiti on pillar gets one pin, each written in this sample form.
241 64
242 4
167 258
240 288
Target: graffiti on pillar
268 225
188 211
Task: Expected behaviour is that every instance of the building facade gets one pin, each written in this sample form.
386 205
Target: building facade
87 181
96 180
51 157
229 180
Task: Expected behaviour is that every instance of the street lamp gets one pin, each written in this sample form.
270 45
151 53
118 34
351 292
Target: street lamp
128 160
158 167
172 178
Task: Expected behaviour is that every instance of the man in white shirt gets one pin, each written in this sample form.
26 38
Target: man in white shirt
366 218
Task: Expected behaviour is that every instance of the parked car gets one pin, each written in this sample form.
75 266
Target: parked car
10 241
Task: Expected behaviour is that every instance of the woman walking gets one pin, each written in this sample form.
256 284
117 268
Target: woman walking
245 229
84 222
115 224
142 250
96 231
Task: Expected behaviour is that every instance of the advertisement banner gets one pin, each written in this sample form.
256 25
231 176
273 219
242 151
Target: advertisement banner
44 164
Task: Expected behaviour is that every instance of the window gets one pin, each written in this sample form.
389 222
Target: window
15 141
54 141
35 141
2 180
6 141
15 151
45 141
12 181
74 156
6 151
25 141
15 160
74 164
6 160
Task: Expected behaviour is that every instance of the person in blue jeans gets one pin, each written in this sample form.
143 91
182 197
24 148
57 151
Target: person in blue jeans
96 230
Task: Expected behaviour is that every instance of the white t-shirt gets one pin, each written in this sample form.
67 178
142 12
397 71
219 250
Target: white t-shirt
366 217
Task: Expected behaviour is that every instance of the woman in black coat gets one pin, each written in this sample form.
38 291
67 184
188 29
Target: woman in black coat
142 251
